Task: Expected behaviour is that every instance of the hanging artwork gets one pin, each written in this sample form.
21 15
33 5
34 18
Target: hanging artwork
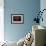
17 18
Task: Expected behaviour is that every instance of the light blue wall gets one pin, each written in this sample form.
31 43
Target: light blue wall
13 32
43 6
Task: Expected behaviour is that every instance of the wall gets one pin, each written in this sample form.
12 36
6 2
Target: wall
13 32
42 6
1 20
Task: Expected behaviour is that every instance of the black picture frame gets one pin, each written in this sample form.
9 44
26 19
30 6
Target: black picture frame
17 18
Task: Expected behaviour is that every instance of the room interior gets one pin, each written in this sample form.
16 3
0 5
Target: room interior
17 24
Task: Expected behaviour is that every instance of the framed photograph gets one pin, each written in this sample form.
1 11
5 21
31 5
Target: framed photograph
17 18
